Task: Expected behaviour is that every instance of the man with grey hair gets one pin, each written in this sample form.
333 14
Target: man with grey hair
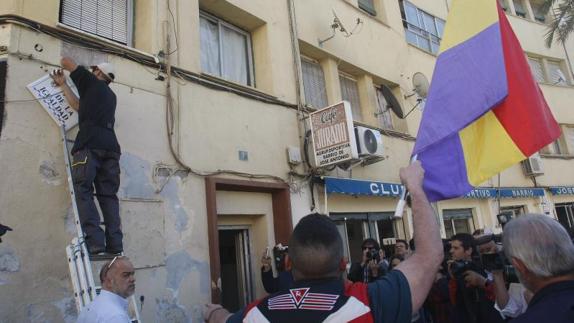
543 255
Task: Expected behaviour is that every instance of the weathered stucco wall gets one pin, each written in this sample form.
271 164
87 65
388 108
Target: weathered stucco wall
164 217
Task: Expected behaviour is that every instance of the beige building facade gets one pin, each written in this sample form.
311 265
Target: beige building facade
213 100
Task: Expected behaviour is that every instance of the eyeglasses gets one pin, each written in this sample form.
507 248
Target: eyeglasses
107 268
369 248
113 260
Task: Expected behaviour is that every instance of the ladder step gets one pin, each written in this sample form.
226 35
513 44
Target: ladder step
103 257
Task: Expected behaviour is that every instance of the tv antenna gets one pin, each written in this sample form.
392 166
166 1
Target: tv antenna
338 25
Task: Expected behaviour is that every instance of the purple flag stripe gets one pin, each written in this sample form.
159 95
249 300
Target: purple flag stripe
445 170
469 80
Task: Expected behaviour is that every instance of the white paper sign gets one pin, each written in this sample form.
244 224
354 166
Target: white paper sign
52 98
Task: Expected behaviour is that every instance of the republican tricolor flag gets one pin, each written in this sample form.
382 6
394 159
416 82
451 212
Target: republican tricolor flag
484 112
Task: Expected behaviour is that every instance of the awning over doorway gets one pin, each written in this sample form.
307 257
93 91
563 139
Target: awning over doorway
361 187
562 190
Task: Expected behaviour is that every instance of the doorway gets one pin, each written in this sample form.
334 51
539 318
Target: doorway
236 275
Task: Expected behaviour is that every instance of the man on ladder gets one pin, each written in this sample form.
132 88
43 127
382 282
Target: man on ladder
96 153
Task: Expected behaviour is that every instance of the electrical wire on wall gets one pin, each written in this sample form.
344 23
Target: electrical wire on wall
147 61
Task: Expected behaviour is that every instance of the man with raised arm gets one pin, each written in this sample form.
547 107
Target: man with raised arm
96 153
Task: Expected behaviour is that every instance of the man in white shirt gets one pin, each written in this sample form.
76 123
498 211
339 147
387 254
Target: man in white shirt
118 283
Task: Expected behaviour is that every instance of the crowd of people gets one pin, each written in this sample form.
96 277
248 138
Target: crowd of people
466 279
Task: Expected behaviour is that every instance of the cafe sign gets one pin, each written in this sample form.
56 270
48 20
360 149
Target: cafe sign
333 135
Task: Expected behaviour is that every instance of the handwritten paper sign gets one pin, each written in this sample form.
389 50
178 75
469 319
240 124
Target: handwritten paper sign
54 102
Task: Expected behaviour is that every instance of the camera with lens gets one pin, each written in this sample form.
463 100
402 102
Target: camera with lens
279 253
373 254
496 261
459 267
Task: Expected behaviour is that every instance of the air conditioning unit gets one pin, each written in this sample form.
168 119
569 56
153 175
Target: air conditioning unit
532 166
369 142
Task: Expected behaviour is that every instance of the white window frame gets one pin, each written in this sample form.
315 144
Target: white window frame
420 29
250 62
129 21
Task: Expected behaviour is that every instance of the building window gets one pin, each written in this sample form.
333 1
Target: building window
422 29
314 84
519 8
384 114
536 68
111 19
356 227
556 74
350 92
225 50
457 221
564 145
368 6
539 14
549 71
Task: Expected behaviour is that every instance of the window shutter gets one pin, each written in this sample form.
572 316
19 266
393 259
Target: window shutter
105 18
314 84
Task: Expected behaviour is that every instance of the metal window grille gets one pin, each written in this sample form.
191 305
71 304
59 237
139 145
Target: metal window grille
111 19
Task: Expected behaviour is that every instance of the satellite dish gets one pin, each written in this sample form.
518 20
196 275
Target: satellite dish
420 84
338 24
392 102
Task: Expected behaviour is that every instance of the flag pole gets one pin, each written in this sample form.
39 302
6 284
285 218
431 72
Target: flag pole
403 200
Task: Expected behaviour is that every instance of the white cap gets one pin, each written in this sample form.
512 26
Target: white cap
107 69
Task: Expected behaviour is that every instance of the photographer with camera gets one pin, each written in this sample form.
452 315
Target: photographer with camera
511 296
370 268
284 277
471 293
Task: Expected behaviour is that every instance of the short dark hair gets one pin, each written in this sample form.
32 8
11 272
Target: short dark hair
315 247
466 239
371 241
403 241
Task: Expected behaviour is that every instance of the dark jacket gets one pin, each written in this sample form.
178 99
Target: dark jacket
553 303
275 284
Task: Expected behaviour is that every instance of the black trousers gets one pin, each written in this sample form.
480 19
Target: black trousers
99 169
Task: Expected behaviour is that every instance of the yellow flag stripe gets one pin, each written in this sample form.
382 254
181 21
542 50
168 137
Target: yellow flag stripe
488 149
466 19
